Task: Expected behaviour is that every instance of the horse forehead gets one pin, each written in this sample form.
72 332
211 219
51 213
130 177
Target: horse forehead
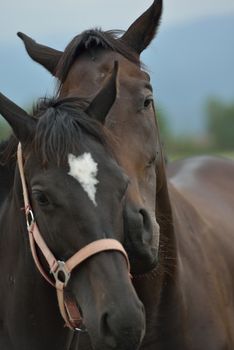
94 67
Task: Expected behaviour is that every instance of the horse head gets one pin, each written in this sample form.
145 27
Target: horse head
77 192
81 70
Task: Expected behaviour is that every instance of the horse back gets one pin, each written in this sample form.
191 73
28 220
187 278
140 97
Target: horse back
203 205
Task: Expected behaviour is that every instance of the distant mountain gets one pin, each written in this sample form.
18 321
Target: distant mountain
188 63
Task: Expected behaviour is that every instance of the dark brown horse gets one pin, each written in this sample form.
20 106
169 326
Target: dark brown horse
180 237
70 171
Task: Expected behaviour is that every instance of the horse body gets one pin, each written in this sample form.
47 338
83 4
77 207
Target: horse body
201 200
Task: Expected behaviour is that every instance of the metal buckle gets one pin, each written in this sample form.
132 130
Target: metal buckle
29 218
61 269
81 330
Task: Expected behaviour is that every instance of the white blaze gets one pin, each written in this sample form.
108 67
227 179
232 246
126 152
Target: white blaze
84 169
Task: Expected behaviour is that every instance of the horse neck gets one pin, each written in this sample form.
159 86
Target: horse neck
169 314
5 186
159 289
12 220
10 202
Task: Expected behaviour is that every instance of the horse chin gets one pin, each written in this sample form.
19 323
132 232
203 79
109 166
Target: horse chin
144 261
126 339
126 335
126 344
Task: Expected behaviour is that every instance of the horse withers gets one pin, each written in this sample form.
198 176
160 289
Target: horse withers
76 192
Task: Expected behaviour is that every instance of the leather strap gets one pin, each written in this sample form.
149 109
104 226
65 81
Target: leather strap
70 313
34 233
93 248
36 259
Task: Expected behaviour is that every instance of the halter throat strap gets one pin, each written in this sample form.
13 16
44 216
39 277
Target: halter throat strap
61 270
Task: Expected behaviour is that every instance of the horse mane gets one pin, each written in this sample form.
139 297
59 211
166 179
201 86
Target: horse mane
8 150
90 39
63 127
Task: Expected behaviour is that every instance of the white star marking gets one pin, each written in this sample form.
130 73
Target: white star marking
84 169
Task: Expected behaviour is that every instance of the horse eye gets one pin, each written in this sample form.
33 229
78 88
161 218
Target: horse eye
148 101
41 198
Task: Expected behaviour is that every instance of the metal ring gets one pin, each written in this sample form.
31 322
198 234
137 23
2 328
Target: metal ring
61 268
30 218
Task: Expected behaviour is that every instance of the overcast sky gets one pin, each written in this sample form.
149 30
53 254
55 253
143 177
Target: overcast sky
49 18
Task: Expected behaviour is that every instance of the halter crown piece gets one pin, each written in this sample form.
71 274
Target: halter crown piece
61 270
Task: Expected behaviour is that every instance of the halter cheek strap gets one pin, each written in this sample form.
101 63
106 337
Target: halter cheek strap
59 269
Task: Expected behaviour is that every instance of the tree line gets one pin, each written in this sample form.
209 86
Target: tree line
218 135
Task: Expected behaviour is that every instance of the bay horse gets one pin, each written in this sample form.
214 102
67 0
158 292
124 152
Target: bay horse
180 238
59 206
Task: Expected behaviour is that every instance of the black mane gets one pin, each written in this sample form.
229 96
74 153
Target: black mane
62 127
8 150
92 39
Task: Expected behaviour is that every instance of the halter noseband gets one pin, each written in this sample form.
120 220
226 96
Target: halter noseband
61 270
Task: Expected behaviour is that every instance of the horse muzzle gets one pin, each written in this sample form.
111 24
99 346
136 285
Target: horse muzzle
112 312
141 232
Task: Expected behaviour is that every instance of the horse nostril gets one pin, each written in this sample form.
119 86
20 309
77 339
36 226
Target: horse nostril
138 226
145 219
106 331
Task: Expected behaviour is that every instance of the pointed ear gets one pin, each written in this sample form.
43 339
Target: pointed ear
102 103
23 125
142 31
43 55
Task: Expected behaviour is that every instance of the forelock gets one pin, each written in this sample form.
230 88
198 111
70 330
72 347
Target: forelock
89 39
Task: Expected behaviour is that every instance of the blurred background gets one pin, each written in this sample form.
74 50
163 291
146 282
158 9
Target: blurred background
190 62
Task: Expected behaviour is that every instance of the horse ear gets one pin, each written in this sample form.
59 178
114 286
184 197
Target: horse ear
23 125
43 55
102 103
142 31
